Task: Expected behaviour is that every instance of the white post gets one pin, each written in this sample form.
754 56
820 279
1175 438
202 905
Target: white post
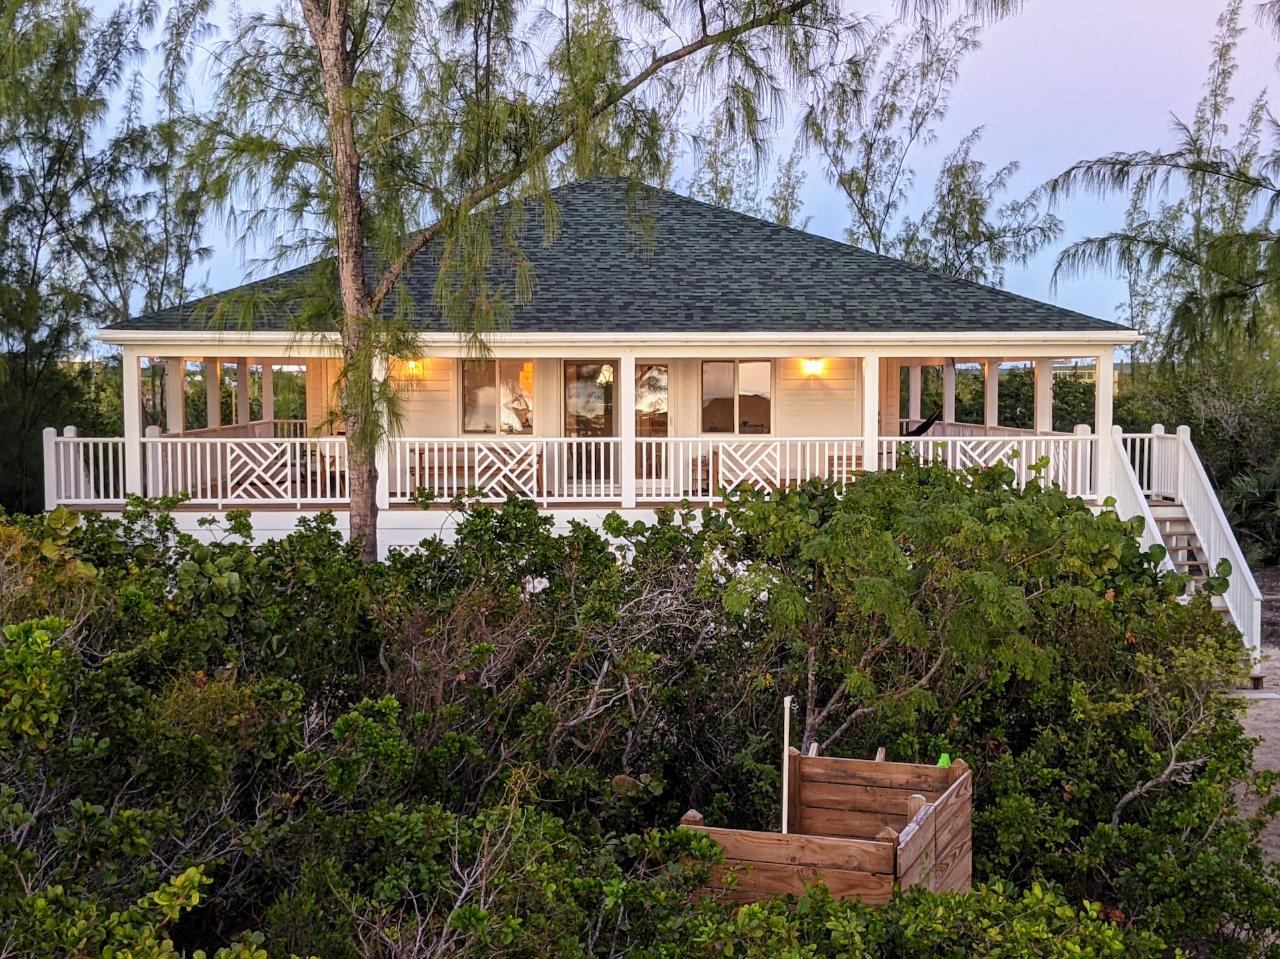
913 393
75 482
627 429
1184 442
268 391
786 762
382 455
242 390
47 437
949 391
1044 396
152 462
132 423
871 411
1104 389
991 393
213 392
175 394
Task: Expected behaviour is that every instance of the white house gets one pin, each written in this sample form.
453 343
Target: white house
672 350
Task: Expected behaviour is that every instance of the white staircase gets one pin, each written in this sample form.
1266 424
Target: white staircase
1159 476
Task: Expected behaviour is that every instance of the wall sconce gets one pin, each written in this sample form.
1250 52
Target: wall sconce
413 369
812 367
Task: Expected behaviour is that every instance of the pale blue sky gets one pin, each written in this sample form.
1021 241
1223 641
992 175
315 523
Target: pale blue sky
1064 80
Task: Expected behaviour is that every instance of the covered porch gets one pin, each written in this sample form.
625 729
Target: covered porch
584 423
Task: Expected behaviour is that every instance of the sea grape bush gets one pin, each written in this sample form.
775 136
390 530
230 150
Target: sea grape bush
480 748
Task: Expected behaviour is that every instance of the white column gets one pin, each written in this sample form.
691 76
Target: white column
991 392
268 391
913 392
382 455
242 390
132 423
152 463
871 412
627 428
1044 396
1104 387
949 391
175 395
47 438
212 392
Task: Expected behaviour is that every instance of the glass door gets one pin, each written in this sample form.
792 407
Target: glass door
587 462
653 394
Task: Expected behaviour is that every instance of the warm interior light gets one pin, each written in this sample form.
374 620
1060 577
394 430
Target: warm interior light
413 369
812 367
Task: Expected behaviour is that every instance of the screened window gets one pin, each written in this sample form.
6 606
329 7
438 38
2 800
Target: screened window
737 396
497 397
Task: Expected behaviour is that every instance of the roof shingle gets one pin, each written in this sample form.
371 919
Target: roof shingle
699 268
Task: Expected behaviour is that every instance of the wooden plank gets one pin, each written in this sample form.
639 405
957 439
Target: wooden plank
793 789
763 880
866 772
819 851
953 812
851 824
882 799
953 867
916 840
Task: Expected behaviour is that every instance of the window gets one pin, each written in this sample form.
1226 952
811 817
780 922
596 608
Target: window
497 397
737 396
588 398
652 399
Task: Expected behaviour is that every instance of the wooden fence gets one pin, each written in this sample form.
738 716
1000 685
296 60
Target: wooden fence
858 826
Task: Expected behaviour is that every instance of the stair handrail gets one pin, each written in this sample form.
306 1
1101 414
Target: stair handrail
1132 501
1218 539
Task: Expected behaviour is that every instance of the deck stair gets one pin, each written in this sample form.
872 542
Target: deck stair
1160 478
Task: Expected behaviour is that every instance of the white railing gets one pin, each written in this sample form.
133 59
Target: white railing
1218 541
1131 499
546 469
1070 458
672 469
1155 458
83 470
236 471
255 429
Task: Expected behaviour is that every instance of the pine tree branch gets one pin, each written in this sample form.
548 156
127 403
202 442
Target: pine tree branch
496 185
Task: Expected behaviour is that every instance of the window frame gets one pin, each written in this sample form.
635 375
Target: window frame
737 393
497 433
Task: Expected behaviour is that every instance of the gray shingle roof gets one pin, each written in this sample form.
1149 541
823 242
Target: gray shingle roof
697 268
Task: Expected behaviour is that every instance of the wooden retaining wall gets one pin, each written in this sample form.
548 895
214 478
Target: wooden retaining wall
859 826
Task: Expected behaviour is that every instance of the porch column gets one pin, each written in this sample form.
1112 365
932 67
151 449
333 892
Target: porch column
949 391
991 392
175 395
871 412
268 391
626 394
242 390
132 422
913 392
1104 388
1044 396
212 392
382 455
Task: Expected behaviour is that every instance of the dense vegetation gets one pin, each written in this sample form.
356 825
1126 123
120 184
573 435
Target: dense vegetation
480 748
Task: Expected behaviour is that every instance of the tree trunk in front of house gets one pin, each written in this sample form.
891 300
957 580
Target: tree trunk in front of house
329 30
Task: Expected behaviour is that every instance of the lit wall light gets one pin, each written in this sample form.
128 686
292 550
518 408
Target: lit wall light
413 369
812 367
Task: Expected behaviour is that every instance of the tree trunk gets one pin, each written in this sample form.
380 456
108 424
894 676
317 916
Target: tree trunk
329 31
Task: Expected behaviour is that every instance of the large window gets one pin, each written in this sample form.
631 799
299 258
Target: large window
652 399
497 397
737 396
588 398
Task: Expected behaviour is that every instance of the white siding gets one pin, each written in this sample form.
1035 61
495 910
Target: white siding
429 398
827 404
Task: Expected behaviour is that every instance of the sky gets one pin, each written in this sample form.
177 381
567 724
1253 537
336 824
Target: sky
1064 80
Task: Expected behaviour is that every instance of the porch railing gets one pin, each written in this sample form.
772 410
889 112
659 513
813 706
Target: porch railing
83 470
236 471
1069 466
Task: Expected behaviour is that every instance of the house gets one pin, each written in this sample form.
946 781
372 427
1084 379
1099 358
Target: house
673 350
